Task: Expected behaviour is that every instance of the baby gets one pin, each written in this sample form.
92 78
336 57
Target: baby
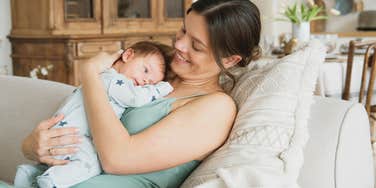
134 80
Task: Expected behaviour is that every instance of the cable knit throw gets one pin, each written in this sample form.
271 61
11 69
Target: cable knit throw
265 146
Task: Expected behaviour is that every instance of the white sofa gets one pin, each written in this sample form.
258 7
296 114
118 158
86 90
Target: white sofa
338 154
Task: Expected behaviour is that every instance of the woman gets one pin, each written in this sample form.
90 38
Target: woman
179 131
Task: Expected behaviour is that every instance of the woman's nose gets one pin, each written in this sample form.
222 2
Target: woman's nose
181 43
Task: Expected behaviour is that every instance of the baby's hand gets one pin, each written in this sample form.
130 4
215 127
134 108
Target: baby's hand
100 62
164 88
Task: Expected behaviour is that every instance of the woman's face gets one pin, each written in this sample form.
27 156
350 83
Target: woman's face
194 59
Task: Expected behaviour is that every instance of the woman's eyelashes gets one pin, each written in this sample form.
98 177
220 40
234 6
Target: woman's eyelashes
194 46
181 33
183 30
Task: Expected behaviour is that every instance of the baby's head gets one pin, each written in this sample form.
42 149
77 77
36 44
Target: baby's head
144 62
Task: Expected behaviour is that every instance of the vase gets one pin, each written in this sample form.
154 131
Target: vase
302 31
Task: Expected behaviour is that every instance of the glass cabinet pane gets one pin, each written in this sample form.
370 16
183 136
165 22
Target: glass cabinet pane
134 9
78 9
174 8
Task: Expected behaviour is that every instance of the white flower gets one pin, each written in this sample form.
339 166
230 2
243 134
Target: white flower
44 71
33 73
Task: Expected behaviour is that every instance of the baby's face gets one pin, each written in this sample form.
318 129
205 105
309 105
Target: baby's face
143 69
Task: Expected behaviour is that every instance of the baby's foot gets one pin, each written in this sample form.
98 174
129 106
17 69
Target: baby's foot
26 175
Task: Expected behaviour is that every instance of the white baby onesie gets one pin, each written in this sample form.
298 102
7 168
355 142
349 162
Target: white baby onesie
84 164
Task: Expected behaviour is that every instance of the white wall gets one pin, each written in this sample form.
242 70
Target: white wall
5 27
269 10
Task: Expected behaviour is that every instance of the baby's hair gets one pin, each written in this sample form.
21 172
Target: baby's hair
146 48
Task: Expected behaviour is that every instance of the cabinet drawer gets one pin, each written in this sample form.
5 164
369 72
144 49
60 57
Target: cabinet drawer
92 48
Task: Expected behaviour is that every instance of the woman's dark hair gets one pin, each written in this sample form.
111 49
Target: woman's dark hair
234 29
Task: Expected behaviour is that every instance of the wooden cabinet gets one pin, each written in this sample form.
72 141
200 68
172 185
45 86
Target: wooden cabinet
120 16
75 17
63 33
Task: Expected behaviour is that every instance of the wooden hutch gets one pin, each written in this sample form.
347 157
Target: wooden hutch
59 34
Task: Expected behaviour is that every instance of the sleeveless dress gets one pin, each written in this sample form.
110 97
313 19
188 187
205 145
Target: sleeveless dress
136 120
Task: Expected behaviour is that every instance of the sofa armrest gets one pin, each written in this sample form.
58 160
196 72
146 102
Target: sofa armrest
24 103
339 153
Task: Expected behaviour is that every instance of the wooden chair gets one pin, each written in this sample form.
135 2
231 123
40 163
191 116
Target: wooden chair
368 64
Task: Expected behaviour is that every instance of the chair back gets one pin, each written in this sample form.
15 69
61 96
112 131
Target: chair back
368 64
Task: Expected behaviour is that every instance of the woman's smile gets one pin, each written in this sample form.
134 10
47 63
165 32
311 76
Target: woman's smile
180 59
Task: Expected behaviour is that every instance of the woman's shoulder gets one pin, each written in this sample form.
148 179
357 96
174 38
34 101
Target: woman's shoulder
218 96
216 101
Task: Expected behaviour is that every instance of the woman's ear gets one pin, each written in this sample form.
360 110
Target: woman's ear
128 54
231 61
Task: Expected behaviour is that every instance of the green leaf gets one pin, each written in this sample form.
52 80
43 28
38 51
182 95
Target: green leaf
291 16
313 12
303 11
299 12
294 8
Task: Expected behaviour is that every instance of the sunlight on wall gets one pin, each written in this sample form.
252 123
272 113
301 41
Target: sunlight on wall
5 26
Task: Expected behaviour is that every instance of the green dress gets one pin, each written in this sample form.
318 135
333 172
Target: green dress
136 120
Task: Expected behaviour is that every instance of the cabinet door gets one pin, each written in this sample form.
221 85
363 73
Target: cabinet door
171 14
129 16
76 16
43 58
56 69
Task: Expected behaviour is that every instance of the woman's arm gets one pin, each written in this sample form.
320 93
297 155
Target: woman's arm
187 133
37 144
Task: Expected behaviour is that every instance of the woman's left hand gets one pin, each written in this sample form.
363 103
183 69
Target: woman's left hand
100 62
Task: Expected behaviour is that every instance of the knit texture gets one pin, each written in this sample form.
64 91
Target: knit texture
265 146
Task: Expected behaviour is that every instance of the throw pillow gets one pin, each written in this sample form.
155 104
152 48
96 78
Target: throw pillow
265 146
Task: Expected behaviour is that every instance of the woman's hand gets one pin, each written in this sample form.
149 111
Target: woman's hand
44 143
100 62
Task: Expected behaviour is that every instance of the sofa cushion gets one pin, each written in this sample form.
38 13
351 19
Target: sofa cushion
24 103
265 146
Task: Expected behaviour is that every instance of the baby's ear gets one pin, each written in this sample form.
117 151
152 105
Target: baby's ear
128 54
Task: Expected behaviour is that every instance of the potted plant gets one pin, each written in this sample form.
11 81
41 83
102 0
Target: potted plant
300 14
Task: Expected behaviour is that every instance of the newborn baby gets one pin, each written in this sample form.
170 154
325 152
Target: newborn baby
134 80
